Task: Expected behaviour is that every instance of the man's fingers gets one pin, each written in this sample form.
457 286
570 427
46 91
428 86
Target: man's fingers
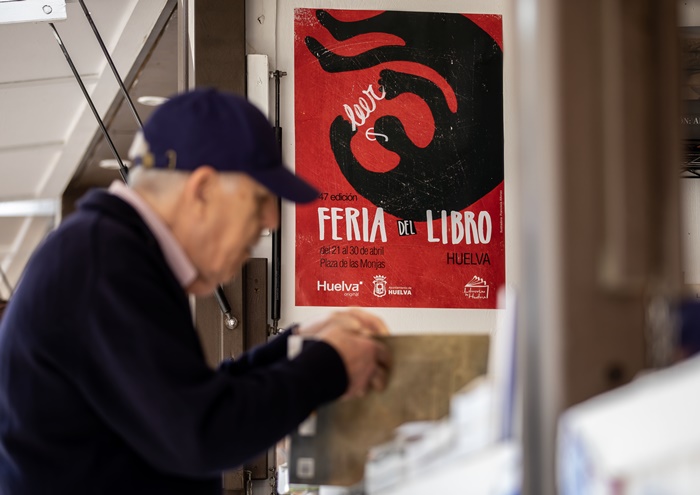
353 320
383 361
371 323
348 322
367 360
379 380
383 356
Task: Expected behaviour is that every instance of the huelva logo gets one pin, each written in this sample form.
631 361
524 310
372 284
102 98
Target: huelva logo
342 286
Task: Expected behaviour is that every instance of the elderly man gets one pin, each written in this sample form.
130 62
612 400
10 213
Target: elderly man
103 384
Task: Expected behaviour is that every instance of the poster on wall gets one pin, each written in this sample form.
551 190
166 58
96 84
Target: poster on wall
399 124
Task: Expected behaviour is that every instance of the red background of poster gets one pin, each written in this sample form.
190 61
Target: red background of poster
416 268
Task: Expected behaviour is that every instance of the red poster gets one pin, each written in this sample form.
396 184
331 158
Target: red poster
399 124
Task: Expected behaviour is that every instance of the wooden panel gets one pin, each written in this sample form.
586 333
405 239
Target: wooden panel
619 187
256 302
233 340
218 341
219 46
208 323
255 311
219 61
247 295
218 52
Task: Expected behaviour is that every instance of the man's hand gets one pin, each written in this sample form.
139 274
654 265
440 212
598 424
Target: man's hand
354 318
367 361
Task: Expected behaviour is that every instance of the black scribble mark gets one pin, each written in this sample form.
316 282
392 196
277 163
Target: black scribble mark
464 160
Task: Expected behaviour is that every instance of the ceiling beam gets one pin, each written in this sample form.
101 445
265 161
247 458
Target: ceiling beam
87 78
126 51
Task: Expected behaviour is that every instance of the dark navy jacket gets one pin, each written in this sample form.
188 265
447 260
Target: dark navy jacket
103 384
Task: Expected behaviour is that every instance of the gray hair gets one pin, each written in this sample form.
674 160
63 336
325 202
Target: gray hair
157 182
154 182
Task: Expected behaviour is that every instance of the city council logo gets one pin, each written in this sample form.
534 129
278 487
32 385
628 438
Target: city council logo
379 285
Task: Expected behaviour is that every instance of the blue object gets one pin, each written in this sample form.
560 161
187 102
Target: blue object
689 334
224 131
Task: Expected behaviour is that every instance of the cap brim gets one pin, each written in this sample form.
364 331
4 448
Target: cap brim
285 184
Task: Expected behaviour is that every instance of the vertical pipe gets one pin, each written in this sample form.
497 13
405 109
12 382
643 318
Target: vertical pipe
277 234
183 46
540 306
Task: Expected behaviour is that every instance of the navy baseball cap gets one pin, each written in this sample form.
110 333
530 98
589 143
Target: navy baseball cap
224 131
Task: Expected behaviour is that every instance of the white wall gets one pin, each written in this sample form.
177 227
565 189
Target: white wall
270 28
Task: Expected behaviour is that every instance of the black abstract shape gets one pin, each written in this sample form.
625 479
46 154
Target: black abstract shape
464 160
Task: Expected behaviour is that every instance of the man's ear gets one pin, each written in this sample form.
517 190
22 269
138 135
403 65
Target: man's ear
200 187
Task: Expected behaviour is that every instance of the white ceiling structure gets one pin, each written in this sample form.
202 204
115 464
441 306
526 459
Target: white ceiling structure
46 125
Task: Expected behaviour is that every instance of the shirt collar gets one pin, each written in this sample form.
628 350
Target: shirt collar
175 255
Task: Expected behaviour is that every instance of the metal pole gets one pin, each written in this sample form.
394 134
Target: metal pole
122 168
229 320
277 234
111 64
